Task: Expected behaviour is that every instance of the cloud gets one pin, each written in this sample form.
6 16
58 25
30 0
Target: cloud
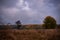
28 11
8 3
26 7
56 4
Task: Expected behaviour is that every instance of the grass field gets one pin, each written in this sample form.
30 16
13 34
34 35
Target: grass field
31 34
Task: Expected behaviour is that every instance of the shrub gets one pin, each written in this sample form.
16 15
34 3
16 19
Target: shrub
18 24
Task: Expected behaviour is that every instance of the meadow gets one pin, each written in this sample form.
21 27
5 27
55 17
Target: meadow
31 34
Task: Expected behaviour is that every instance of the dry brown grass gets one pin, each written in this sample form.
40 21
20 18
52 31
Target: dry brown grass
41 34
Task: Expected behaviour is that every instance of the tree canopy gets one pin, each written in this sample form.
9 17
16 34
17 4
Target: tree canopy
49 22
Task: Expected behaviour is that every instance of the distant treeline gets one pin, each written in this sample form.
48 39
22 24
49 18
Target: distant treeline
48 23
25 27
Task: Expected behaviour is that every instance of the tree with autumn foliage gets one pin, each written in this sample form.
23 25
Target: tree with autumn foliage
49 22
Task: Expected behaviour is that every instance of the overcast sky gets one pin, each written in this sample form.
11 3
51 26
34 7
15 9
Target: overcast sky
28 11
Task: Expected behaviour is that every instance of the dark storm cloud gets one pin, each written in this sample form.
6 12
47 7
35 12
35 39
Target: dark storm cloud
1 16
1 19
56 4
8 3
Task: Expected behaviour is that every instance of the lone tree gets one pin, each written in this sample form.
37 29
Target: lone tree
49 22
18 24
